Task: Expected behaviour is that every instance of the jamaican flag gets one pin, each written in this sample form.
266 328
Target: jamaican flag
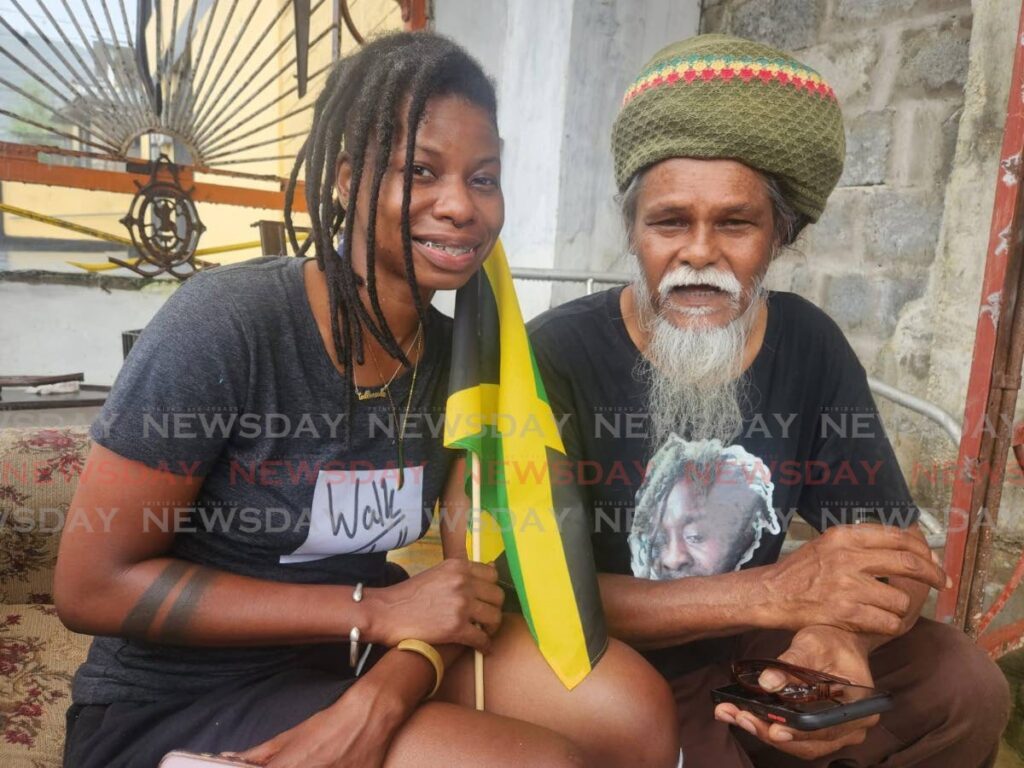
498 409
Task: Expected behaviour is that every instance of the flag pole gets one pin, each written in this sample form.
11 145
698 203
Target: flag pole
478 657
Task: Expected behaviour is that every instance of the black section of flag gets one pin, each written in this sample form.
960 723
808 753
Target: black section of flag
575 527
476 337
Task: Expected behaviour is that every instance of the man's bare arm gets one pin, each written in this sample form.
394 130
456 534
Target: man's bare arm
832 580
658 614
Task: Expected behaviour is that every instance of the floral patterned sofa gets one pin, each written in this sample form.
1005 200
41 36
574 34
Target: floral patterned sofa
39 471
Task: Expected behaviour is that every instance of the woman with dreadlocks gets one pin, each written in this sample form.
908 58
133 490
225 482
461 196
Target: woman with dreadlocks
263 449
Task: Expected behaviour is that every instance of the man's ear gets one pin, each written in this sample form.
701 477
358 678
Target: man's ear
343 179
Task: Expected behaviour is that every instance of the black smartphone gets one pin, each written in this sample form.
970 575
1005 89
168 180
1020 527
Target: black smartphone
849 702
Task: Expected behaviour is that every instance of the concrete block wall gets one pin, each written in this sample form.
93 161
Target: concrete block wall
898 68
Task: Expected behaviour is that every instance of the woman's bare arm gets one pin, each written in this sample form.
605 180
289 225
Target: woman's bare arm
115 577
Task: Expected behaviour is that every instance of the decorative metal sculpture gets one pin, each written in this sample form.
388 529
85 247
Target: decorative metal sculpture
205 72
205 88
164 225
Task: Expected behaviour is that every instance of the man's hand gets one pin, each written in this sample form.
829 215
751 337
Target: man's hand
834 579
825 649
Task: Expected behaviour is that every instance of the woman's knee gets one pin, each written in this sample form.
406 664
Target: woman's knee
641 707
622 714
565 755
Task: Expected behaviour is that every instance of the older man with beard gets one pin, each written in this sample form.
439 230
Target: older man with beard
724 150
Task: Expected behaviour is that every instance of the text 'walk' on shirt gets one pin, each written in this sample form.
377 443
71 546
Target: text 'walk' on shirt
811 444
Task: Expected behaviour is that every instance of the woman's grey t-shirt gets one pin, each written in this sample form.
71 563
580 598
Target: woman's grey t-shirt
231 381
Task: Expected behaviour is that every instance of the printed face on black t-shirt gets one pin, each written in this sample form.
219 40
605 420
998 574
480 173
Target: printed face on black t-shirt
701 511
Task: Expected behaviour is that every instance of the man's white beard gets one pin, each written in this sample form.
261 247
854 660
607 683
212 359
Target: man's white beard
694 372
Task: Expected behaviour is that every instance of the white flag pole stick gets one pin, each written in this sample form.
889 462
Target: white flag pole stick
478 658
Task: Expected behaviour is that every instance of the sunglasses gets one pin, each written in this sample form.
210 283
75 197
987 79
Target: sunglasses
802 685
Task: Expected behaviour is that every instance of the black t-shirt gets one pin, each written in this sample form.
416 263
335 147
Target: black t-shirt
231 381
811 445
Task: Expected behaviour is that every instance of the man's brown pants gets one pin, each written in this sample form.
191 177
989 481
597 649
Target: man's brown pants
951 705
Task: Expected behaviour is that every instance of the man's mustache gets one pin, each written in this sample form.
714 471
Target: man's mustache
685 276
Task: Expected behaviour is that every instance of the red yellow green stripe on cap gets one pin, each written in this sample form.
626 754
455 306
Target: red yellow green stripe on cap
730 69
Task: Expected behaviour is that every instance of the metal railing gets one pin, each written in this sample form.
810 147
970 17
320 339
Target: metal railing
934 529
589 279
949 425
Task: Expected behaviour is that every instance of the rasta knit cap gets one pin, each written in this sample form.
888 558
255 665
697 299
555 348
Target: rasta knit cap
722 97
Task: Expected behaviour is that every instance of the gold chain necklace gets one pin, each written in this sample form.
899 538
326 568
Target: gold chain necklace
385 391
382 391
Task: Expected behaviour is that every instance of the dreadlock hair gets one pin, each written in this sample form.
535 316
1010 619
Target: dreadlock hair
359 109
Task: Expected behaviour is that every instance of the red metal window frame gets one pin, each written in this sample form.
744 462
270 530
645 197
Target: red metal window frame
995 380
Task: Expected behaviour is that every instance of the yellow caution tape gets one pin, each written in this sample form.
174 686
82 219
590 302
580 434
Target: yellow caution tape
41 217
44 219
